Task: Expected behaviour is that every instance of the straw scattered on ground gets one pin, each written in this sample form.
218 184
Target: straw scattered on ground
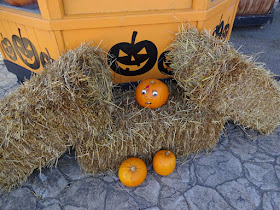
216 76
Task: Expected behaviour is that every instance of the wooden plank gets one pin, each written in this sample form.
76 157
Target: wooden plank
200 5
22 18
74 7
51 9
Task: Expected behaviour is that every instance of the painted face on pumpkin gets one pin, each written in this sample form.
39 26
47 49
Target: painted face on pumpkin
151 93
164 64
132 59
8 48
220 30
45 58
26 51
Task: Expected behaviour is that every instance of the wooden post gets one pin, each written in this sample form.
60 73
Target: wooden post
51 9
201 5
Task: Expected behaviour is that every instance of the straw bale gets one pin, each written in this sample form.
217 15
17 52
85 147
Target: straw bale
216 76
141 132
39 121
72 104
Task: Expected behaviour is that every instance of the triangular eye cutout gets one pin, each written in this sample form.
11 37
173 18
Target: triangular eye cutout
28 48
143 51
122 53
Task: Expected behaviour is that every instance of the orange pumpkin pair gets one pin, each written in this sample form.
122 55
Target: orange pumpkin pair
133 171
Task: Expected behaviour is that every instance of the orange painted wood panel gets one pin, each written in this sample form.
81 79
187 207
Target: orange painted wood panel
27 46
72 7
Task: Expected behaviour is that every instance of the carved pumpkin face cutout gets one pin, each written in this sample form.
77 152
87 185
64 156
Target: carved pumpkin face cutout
151 93
220 30
45 58
132 59
26 51
8 48
163 64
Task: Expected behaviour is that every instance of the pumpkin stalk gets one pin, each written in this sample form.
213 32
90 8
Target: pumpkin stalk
133 37
19 32
133 169
48 52
167 153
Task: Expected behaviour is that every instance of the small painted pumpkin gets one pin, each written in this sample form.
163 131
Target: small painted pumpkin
20 3
151 93
132 172
164 162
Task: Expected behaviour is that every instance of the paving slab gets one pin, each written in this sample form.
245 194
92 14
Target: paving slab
21 198
241 194
271 201
262 175
49 183
200 197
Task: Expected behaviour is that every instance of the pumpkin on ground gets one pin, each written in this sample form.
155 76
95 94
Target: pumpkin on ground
164 162
151 93
20 3
132 172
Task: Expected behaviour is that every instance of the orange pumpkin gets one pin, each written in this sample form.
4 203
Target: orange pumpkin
164 162
132 172
151 93
20 3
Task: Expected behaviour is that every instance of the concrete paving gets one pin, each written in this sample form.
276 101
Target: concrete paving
261 42
242 172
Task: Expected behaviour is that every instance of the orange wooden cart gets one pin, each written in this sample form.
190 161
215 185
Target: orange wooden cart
136 33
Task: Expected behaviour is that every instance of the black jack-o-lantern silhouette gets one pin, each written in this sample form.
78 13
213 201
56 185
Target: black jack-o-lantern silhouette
45 58
26 51
220 30
164 64
132 59
8 48
225 32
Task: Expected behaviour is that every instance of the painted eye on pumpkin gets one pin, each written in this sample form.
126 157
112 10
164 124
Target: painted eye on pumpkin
155 93
144 92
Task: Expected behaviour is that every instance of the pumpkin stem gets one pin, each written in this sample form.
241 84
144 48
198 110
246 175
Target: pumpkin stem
48 52
152 82
133 37
19 32
133 169
167 153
